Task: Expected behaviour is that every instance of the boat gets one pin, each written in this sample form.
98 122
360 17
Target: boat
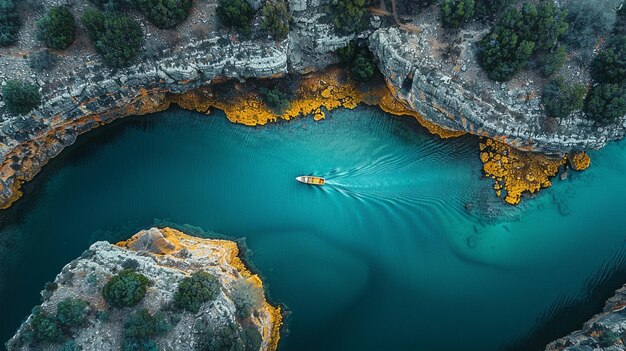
311 180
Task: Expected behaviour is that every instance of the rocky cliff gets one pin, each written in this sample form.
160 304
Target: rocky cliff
605 331
165 257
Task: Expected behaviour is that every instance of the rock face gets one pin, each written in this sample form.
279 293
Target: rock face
605 331
164 256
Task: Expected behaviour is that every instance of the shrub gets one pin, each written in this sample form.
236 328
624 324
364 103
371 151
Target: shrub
165 13
21 98
347 15
125 289
589 20
455 13
71 313
194 291
42 61
9 23
275 98
57 29
235 13
220 337
247 297
117 38
517 35
45 329
609 66
561 98
141 328
552 61
276 18
606 102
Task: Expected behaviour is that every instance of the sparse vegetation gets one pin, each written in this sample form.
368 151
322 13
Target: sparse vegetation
195 290
247 297
42 61
9 23
560 98
455 13
117 38
235 13
20 97
517 36
606 102
276 18
165 13
141 328
125 289
57 29
347 15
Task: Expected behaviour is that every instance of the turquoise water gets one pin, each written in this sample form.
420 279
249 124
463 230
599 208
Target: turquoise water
396 252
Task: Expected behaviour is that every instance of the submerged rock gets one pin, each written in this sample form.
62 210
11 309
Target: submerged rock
164 257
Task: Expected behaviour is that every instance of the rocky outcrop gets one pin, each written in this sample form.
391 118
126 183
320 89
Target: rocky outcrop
605 331
165 257
437 75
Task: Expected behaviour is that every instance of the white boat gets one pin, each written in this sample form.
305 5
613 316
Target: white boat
311 180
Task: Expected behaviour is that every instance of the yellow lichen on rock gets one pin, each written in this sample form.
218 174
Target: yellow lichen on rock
579 161
516 171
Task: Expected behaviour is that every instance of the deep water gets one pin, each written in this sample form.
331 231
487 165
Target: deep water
396 252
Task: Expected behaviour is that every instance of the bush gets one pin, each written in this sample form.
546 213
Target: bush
194 291
247 297
220 337
609 66
71 313
165 13
518 34
141 328
347 15
589 20
45 329
275 98
235 13
9 23
117 38
455 13
552 61
561 98
276 18
57 29
42 61
606 102
21 98
125 289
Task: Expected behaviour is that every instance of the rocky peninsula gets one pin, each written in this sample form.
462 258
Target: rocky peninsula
237 314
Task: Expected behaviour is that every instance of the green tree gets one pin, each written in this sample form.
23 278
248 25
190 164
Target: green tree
141 328
235 13
489 10
552 61
20 97
275 98
606 102
115 5
609 65
9 23
561 98
117 38
502 53
71 313
194 291
165 13
362 68
247 297
125 289
588 21
57 29
620 20
275 18
347 15
45 328
455 13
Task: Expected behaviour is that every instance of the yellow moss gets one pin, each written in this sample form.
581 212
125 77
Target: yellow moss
516 171
579 161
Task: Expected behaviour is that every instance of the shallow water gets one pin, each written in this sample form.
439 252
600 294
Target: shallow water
385 256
